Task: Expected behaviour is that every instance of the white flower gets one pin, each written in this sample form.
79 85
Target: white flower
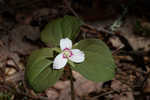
74 55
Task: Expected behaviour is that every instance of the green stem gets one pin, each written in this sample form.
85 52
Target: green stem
71 63
71 85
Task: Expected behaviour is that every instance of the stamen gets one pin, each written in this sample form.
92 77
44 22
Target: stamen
67 53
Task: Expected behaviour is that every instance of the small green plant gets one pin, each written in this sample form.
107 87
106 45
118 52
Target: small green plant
90 57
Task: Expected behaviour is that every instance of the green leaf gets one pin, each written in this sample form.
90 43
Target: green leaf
39 72
99 64
71 26
52 33
68 26
39 55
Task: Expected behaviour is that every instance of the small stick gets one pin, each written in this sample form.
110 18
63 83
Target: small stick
71 85
71 9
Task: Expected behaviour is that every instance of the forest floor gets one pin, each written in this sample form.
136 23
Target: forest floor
126 33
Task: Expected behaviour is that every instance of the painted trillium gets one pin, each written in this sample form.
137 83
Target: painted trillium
74 55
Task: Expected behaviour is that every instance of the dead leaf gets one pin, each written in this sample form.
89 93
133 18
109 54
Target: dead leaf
116 85
52 94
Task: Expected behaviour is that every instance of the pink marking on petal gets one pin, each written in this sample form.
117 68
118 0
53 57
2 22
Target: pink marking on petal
64 56
66 49
70 53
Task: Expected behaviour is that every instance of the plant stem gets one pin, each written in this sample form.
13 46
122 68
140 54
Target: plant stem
71 85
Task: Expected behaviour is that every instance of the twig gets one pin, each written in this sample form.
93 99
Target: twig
100 30
106 93
103 94
117 50
71 84
69 7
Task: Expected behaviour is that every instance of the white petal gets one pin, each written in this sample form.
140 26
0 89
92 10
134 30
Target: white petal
78 56
59 62
65 43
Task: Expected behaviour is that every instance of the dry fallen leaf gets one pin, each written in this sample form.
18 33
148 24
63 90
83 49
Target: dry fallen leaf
125 96
52 94
116 85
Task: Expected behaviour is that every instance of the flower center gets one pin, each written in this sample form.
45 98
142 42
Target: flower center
67 53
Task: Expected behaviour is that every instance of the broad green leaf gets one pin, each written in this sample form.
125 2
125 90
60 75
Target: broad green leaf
52 33
39 54
39 72
99 64
71 26
36 56
68 26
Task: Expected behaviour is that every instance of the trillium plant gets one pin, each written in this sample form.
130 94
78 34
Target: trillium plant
90 57
74 55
